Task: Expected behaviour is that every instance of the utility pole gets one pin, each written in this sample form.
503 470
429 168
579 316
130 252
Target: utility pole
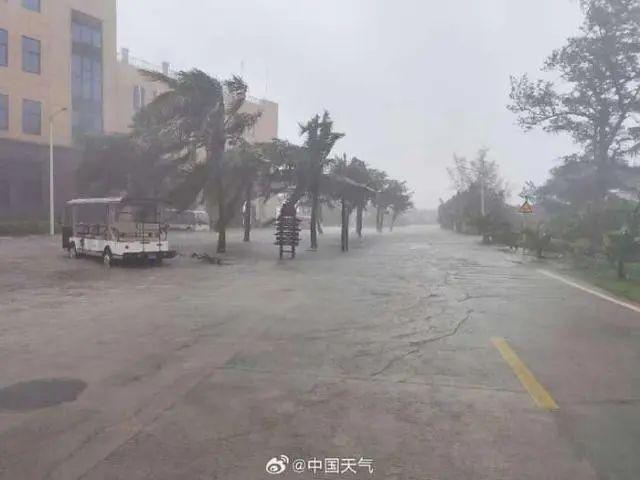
482 208
51 196
483 173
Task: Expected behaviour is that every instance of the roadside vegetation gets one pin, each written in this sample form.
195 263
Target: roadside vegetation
588 210
189 146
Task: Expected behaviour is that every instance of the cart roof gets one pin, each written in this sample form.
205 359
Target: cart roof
113 200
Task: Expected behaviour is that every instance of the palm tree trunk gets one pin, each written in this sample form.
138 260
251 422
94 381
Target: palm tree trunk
380 222
359 215
320 230
210 206
343 226
314 220
347 219
222 219
222 239
247 214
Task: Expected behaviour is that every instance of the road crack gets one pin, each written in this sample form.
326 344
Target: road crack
421 343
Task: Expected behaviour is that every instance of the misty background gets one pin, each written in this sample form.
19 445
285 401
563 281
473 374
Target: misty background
409 81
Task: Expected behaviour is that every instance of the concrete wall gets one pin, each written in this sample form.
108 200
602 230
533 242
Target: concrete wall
23 157
24 164
128 78
24 179
266 129
52 87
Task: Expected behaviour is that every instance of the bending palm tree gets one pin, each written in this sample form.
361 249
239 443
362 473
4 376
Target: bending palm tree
197 121
320 140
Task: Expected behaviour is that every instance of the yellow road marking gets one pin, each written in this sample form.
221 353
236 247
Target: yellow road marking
540 396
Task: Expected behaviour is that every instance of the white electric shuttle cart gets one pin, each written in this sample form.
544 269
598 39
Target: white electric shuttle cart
116 228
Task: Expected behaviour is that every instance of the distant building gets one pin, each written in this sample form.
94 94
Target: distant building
54 54
135 91
59 58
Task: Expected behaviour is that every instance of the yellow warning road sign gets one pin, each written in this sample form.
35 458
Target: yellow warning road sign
526 208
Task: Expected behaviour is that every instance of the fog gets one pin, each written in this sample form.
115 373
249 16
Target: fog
410 82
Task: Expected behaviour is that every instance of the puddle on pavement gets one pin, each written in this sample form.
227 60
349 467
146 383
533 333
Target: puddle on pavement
42 393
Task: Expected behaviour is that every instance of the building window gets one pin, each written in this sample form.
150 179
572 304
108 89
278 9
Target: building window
86 75
86 78
86 34
4 112
30 55
4 48
31 117
32 5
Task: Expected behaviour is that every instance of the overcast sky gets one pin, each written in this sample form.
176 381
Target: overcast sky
409 81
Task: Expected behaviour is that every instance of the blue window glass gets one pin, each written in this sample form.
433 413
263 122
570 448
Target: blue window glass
34 5
96 38
4 48
31 55
86 74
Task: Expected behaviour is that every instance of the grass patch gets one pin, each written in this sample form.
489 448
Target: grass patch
602 274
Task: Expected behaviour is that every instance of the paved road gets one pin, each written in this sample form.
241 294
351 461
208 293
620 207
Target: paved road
195 371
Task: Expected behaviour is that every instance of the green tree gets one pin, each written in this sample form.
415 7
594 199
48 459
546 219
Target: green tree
197 121
250 173
311 163
116 164
481 192
379 182
596 98
349 184
360 173
400 200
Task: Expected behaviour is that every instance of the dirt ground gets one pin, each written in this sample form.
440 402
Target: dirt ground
198 371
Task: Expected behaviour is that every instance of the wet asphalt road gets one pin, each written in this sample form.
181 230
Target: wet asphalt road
195 371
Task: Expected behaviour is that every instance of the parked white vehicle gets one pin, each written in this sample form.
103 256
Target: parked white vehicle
116 228
189 220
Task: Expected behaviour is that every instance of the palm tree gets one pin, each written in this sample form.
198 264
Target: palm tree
380 181
251 171
303 168
116 164
320 140
197 121
344 186
359 173
399 199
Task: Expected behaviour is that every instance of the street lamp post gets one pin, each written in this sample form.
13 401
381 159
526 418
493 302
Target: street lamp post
482 207
51 196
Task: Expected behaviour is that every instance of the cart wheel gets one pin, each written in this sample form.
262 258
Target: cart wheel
107 258
72 251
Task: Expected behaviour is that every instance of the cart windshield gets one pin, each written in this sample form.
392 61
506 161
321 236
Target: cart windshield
139 213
